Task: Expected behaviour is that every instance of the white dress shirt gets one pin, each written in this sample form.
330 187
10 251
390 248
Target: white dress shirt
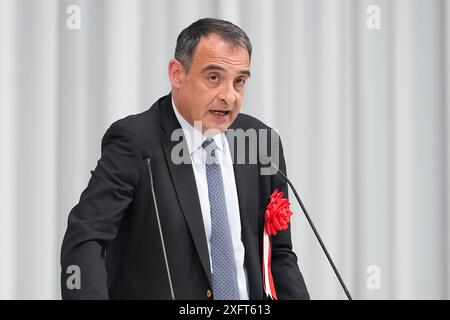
194 140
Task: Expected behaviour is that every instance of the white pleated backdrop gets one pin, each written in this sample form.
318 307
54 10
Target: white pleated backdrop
364 116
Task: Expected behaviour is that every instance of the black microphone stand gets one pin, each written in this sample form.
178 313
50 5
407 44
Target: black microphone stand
147 157
347 293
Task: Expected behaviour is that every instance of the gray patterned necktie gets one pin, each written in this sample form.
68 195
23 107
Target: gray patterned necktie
224 276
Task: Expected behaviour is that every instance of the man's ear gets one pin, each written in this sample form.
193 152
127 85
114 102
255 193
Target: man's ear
176 73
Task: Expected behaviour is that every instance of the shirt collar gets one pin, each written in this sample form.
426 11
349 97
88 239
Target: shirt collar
194 138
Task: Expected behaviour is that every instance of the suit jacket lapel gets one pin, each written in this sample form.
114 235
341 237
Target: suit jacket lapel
184 182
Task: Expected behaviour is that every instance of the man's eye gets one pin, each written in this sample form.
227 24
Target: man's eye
213 78
240 82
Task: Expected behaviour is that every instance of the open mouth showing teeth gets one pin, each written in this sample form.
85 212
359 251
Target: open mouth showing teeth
220 113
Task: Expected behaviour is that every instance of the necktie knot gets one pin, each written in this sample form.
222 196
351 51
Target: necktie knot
210 146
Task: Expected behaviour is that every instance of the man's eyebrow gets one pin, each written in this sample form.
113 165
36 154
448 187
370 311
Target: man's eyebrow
213 67
245 72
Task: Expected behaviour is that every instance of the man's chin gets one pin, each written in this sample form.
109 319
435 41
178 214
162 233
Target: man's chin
213 129
216 127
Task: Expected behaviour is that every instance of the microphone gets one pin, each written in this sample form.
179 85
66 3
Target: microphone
147 155
347 293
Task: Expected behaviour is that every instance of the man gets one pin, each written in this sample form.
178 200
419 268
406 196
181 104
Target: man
209 206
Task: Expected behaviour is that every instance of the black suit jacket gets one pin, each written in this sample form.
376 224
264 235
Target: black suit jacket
112 233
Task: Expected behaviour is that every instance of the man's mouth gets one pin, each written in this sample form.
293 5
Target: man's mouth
220 112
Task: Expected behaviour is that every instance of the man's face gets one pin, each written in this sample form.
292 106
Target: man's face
213 88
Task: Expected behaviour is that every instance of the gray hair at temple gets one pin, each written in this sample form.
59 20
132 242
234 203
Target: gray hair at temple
189 38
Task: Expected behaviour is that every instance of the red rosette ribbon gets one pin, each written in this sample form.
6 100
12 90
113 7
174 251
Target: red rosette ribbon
276 218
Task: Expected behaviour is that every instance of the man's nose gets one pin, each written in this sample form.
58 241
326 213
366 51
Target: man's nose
228 94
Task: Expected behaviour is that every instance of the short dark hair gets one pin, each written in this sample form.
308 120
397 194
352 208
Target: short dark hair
189 38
